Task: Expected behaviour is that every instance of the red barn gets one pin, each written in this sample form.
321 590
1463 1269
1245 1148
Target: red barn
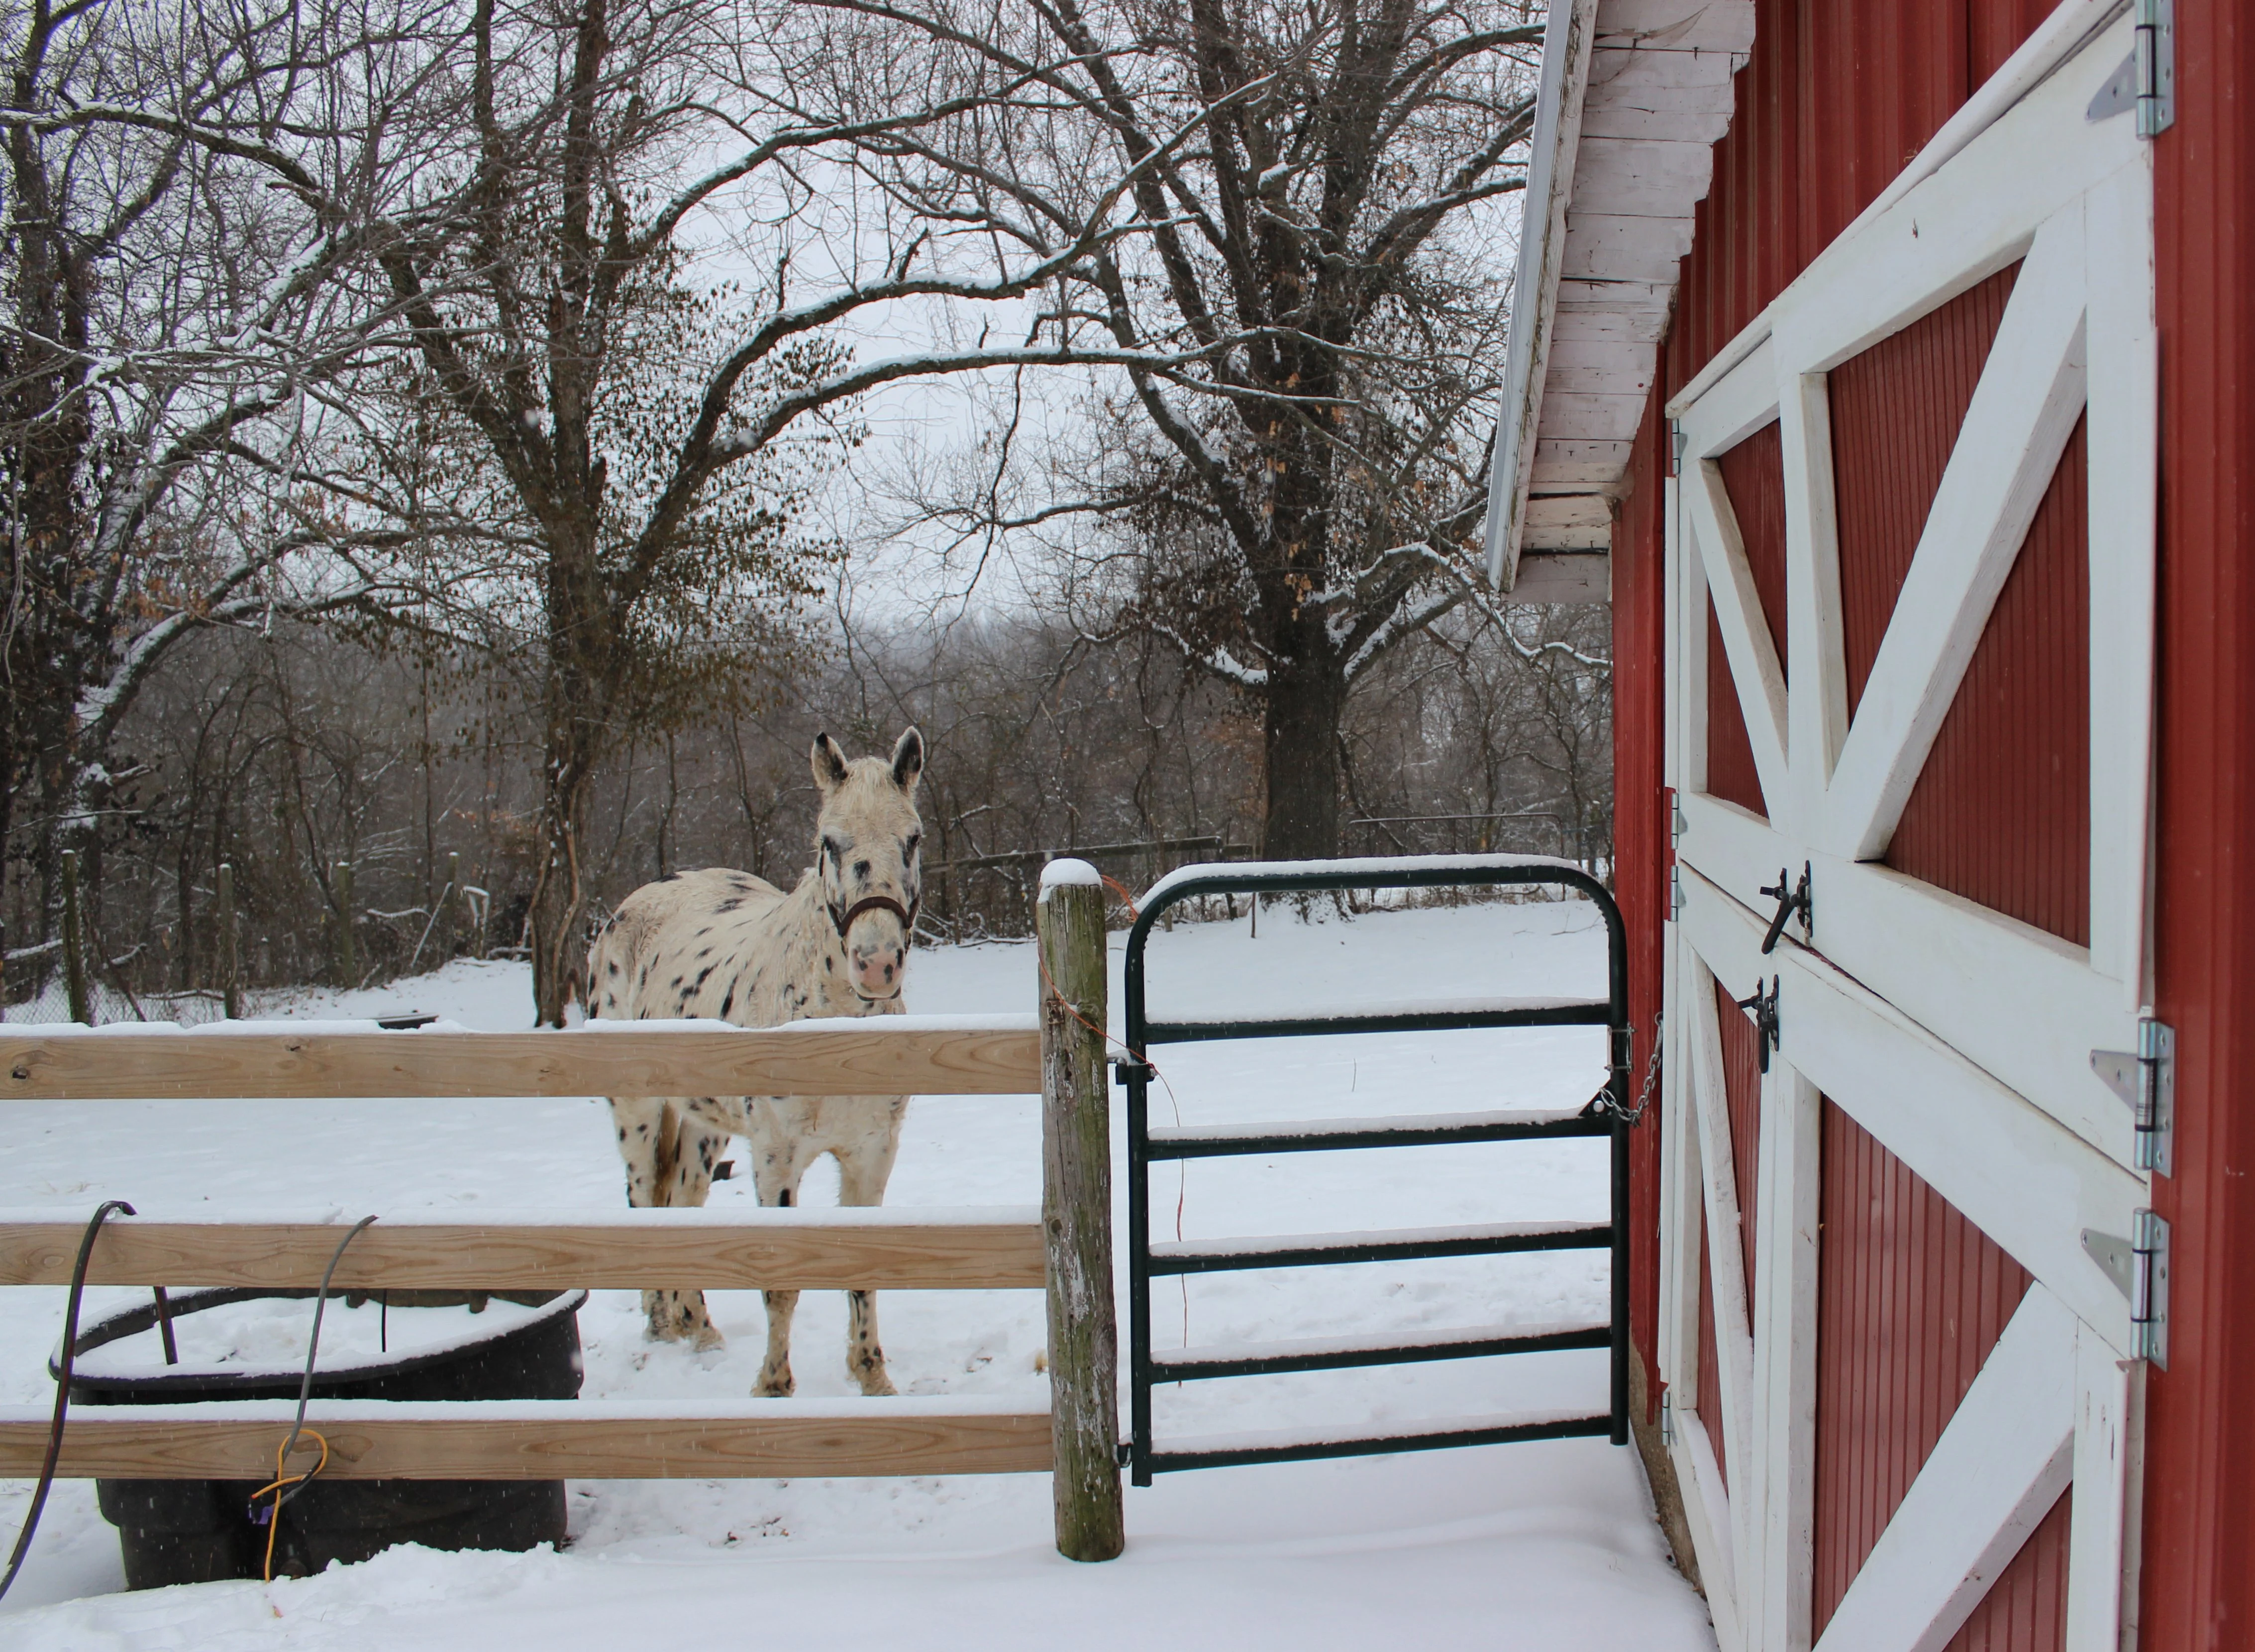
1893 365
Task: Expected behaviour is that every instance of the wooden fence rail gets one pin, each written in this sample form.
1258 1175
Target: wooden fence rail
1058 1053
881 1056
538 1439
764 1250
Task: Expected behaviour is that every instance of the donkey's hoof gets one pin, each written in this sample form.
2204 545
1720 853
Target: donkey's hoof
709 1338
877 1387
772 1386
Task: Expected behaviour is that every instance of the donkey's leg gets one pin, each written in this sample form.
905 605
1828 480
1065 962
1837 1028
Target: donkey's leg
777 1168
865 1164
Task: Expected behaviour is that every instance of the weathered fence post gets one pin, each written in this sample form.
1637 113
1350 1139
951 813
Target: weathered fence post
82 1009
1077 1214
230 974
348 973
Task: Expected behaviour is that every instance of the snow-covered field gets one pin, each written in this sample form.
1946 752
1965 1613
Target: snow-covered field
1549 1545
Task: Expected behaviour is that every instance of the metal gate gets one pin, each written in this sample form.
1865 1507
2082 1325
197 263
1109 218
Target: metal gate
1607 1113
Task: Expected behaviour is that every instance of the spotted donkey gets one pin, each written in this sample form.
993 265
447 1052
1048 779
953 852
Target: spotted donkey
730 945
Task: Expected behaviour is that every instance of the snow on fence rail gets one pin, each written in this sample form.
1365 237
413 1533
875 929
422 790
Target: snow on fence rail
1060 1053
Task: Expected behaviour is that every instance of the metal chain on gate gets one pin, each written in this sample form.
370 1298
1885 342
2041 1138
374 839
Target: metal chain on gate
1603 1102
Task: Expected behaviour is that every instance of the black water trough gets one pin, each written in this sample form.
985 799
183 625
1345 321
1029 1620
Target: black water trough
200 1531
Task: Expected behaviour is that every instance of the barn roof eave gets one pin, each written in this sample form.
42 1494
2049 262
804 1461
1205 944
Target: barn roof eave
1633 94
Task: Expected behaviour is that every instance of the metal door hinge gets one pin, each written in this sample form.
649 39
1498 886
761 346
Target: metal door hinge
1675 891
2149 1301
1667 1418
1763 1007
2155 54
1675 439
2140 1268
2147 1080
1678 824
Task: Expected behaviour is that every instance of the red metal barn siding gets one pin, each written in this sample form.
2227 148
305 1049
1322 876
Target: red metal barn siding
1710 1364
1754 480
1742 1087
1643 845
1836 97
2198 1588
1910 1298
1897 410
1742 1103
2025 1608
1731 772
2001 812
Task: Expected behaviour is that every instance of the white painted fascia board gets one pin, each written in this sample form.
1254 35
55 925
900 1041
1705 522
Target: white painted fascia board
2058 37
1567 41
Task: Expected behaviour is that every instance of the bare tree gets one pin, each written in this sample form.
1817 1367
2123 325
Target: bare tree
529 234
166 317
1308 300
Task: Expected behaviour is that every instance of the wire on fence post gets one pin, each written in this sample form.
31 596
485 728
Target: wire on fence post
1077 1214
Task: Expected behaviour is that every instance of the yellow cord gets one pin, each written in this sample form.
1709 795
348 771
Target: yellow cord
281 1483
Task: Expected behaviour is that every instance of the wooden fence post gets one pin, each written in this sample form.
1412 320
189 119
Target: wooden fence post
348 971
230 975
1077 1214
81 1009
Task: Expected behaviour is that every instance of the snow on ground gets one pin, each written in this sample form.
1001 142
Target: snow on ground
1548 1545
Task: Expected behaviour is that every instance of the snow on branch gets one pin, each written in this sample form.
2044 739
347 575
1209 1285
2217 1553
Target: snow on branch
1460 588
1218 660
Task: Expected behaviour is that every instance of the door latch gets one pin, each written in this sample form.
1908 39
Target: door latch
1798 899
2147 1080
1763 1007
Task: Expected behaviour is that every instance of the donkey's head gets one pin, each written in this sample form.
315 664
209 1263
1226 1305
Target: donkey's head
866 855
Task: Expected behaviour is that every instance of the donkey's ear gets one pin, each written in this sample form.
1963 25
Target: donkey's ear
828 760
907 761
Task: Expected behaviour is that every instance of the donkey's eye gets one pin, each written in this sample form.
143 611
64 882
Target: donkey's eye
914 839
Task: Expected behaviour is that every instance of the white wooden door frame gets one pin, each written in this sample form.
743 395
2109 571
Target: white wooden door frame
1957 1038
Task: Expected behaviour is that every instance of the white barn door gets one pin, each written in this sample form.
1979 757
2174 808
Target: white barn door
1956 1038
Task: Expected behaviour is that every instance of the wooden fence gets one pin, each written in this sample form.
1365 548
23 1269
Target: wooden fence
1063 1247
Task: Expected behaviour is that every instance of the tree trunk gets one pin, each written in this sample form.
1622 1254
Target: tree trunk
557 905
1299 731
583 672
558 898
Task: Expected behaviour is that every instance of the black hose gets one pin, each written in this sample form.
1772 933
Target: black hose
165 1324
62 1389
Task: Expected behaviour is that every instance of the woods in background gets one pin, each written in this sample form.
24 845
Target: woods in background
435 437
283 754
